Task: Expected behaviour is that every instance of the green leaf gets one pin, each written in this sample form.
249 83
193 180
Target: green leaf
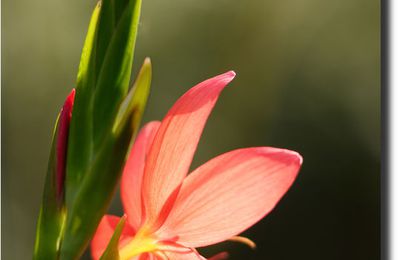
94 196
52 213
88 49
98 186
103 81
113 80
80 146
110 15
111 252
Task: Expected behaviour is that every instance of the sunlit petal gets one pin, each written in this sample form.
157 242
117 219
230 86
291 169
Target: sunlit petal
174 145
229 194
132 177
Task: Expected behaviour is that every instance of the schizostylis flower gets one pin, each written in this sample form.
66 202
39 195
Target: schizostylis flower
169 212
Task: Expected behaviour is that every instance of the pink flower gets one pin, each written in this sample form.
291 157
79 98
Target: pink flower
170 213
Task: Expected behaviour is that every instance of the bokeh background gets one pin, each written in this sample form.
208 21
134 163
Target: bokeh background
308 79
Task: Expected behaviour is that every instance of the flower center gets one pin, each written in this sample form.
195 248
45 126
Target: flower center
146 241
141 243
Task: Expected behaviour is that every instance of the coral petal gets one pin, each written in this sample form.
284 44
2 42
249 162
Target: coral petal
104 232
174 145
191 255
145 257
103 235
132 177
229 194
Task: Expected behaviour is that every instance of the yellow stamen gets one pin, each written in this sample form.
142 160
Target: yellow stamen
244 240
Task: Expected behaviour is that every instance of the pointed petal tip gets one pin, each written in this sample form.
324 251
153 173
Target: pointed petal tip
292 156
232 73
297 158
229 76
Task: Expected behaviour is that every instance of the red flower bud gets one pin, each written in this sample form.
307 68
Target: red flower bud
62 141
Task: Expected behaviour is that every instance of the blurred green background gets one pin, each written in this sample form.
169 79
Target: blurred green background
308 79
